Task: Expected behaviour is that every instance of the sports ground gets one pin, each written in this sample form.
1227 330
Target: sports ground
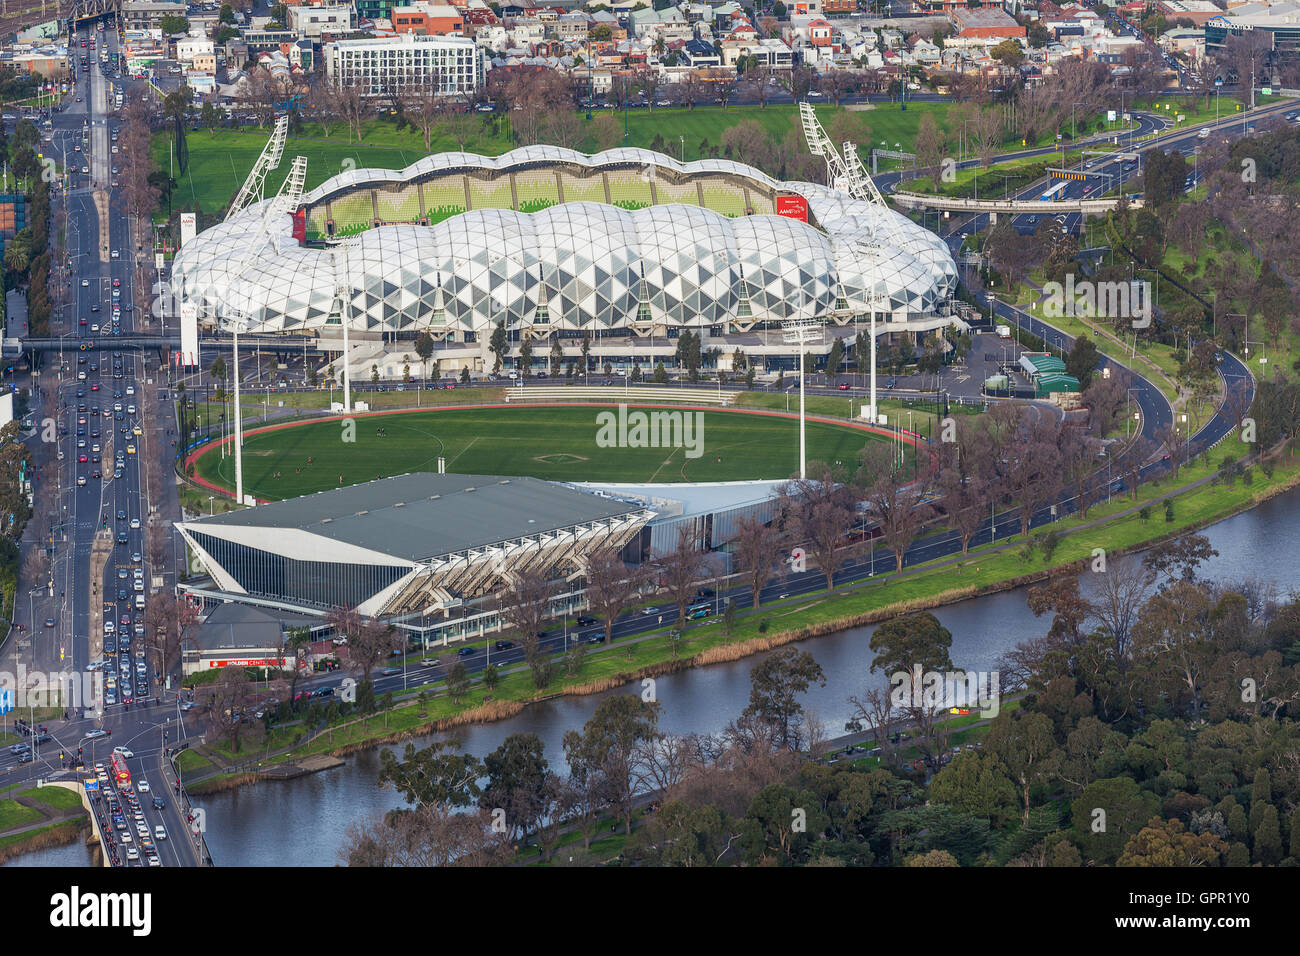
547 441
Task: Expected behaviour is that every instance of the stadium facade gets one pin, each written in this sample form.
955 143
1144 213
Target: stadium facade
411 544
547 240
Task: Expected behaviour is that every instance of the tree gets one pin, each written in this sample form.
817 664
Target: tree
680 570
428 836
756 549
1126 809
1166 843
525 604
434 776
171 25
820 509
976 783
781 826
1083 360
458 682
611 587
1023 742
518 781
774 688
224 700
606 749
895 504
424 349
498 346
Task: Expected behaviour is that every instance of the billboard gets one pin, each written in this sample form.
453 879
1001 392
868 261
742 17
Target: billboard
792 207
187 227
189 353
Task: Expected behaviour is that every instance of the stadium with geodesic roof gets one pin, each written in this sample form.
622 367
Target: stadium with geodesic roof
550 240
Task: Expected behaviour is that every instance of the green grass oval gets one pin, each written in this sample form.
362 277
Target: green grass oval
553 443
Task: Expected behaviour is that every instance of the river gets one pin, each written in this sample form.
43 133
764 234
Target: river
302 822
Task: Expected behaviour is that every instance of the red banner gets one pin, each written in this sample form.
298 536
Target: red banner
792 207
300 225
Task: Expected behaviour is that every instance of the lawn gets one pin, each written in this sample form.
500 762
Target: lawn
58 798
553 443
218 164
14 814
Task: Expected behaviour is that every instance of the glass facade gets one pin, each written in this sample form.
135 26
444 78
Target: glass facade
319 583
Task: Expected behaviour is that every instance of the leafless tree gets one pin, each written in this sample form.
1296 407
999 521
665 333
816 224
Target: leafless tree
757 550
223 702
611 587
427 836
893 503
682 569
525 604
820 511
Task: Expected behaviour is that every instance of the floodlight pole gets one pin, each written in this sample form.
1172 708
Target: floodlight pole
239 429
803 438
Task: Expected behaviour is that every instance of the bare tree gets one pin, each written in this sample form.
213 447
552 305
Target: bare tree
757 553
525 604
611 587
821 510
682 569
224 700
895 505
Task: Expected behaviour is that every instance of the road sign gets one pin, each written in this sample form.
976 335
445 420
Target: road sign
6 701
91 784
1266 91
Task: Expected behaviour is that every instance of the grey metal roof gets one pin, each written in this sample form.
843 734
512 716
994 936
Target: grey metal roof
423 515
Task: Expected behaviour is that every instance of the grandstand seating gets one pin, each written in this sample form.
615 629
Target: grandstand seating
490 193
628 188
535 189
723 197
398 206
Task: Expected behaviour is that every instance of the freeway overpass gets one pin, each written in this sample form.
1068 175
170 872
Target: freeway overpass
13 347
1012 206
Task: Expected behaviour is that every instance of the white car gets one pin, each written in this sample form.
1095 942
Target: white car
114 253
159 832
124 751
143 785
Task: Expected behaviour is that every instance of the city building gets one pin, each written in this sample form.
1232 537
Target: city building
427 19
312 21
410 544
408 62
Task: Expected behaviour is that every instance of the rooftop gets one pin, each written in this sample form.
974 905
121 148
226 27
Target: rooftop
423 515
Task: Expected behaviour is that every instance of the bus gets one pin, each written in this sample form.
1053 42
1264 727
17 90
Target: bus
702 609
1057 192
121 776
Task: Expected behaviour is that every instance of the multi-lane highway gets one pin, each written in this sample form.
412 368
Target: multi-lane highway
84 621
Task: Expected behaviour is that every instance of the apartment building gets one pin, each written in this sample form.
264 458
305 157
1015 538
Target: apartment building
407 62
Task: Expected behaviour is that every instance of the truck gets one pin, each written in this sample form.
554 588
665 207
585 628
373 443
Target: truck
1004 331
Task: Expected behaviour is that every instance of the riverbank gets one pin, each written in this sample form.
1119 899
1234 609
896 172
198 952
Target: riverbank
1118 528
37 818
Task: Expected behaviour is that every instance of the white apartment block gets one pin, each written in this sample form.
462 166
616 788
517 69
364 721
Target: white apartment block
312 21
407 62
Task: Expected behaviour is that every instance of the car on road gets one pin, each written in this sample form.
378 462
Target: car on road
159 832
429 662
124 751
159 803
503 645
597 638
143 785
467 652
95 734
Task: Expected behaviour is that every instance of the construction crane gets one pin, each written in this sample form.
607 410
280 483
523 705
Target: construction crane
251 191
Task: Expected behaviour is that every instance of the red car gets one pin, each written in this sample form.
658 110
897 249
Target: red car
83 321
95 387
844 386
81 459
116 283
